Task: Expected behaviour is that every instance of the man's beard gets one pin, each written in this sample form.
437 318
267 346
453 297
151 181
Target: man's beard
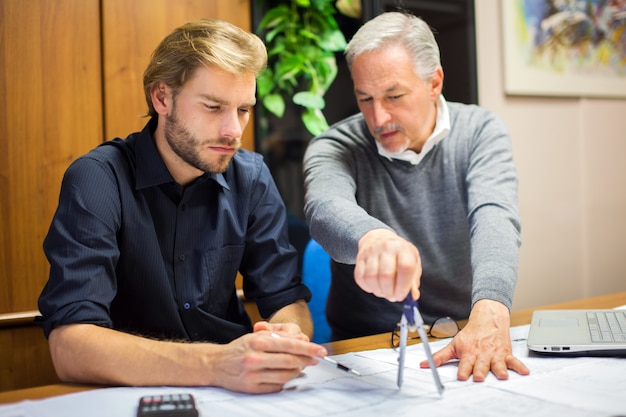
185 145
398 148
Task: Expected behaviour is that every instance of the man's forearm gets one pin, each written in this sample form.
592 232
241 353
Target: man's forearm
297 313
87 353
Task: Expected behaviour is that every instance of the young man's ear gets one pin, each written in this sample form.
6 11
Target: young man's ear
161 96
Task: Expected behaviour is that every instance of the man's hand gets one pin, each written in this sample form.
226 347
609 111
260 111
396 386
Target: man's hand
387 265
265 360
483 345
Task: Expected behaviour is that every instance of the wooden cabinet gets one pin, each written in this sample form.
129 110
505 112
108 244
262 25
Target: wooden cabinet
70 77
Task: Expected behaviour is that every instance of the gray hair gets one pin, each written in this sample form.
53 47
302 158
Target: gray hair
398 28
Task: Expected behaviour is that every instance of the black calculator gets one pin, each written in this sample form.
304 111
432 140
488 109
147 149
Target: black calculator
167 405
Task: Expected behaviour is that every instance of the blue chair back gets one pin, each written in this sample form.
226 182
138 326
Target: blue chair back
316 276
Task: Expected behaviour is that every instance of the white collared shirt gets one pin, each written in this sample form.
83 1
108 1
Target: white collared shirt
442 128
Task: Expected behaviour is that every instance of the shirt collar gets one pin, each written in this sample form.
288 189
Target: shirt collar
151 170
441 130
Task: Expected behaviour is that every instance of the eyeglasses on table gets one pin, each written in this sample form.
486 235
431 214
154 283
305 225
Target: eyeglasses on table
441 328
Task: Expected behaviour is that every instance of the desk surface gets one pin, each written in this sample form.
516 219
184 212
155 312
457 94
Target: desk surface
518 318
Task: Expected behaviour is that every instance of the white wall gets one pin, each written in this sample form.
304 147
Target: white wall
571 159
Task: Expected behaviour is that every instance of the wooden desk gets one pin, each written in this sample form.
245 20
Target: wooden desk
518 318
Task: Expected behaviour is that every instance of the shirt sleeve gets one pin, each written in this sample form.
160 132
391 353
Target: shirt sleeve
270 262
335 218
81 248
493 212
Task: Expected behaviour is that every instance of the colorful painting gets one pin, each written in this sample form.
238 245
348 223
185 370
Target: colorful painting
565 47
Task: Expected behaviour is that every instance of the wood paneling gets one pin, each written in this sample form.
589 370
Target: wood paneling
50 113
50 101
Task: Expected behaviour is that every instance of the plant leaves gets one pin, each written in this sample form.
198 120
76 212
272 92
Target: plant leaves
302 37
327 67
309 100
274 16
314 121
269 36
333 41
275 104
265 83
308 34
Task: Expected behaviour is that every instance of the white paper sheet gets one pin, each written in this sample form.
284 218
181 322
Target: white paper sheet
573 387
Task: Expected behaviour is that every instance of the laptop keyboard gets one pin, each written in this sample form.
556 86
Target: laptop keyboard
607 326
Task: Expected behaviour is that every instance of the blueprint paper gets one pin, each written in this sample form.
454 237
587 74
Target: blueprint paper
573 387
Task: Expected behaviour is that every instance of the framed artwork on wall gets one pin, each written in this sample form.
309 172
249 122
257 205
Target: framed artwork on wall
564 48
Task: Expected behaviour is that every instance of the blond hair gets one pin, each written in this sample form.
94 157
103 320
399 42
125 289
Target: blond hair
204 42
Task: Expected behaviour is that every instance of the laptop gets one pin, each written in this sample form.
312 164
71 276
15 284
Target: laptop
578 332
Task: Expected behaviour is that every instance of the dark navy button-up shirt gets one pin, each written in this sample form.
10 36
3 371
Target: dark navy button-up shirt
131 249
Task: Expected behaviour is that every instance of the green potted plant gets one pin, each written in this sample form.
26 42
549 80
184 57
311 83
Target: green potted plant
302 37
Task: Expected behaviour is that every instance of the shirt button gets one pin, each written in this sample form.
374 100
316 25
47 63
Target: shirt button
187 306
181 257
